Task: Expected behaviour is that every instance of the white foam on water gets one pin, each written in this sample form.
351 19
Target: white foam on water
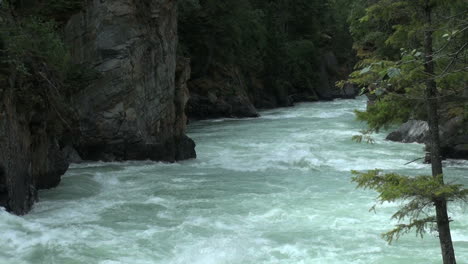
270 190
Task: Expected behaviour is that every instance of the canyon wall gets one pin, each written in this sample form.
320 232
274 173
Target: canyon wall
30 155
227 91
133 109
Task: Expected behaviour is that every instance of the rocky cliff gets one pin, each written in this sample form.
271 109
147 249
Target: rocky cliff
226 91
30 155
220 93
331 72
453 135
133 110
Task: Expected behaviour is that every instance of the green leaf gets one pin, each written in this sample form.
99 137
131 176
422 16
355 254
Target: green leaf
379 91
364 19
393 72
383 74
365 70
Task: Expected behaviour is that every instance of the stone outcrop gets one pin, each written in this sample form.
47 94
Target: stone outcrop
30 156
330 72
185 146
222 93
225 91
134 110
453 136
411 131
268 96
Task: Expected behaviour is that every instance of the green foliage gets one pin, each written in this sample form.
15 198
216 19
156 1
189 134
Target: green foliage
280 41
38 65
33 44
365 135
337 27
299 63
34 40
388 39
389 110
296 31
418 194
60 10
405 50
229 32
57 10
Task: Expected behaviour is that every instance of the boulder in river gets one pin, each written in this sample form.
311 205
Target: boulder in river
453 136
411 131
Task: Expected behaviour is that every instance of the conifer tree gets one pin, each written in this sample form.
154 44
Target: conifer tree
431 51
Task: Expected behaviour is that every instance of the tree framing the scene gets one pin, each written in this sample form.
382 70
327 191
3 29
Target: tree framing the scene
420 63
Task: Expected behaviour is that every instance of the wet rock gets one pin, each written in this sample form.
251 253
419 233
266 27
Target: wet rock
72 155
349 91
133 110
223 93
330 72
453 136
411 131
186 148
303 97
30 158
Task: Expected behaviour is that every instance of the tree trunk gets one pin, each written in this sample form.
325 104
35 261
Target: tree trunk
443 222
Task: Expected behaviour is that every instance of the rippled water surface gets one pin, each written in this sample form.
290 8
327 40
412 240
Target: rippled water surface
269 190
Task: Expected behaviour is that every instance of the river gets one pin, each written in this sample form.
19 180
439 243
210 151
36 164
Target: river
275 189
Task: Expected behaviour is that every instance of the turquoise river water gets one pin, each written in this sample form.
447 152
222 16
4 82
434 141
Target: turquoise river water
275 189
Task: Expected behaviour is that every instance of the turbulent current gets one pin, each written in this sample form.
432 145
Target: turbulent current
275 189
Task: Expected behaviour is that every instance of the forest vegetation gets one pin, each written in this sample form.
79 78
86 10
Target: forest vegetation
413 64
409 57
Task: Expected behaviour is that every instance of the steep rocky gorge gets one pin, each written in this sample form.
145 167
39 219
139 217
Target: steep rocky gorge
225 91
136 105
133 110
30 156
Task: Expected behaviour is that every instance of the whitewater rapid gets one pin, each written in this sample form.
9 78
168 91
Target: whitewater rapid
275 189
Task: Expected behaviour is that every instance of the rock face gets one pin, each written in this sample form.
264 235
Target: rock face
222 93
330 73
30 157
453 136
134 110
411 131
